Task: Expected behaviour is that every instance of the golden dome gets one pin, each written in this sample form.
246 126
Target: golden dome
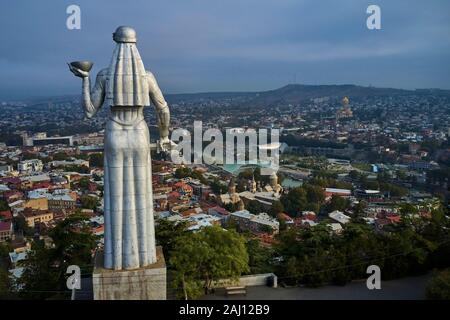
345 101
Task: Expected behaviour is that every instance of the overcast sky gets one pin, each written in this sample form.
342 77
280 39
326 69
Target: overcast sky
232 45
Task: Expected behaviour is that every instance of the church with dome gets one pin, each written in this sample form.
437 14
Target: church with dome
266 195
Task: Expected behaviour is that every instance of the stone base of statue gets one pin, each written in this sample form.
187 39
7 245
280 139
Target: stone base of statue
147 283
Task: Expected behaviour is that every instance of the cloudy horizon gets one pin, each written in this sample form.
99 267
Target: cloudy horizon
204 46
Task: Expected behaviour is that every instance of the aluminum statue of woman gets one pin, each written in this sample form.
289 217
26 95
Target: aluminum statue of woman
126 88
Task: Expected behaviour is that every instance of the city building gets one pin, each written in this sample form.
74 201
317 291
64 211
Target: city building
261 223
6 230
40 139
32 165
329 192
70 162
339 217
231 197
266 196
33 217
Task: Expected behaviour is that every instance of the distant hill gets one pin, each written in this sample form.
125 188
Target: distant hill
176 97
291 93
295 93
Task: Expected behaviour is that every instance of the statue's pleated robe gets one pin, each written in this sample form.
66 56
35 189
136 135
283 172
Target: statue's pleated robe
129 232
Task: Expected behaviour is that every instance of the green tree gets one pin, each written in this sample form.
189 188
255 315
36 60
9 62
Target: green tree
241 185
5 249
266 228
294 201
401 175
83 156
3 205
231 207
40 278
168 233
314 256
438 287
73 240
306 197
354 175
21 226
209 255
76 168
199 176
217 186
60 156
5 285
408 208
254 206
259 257
182 172
359 209
277 208
246 174
337 203
89 202
44 274
83 183
372 185
96 160
395 191
312 249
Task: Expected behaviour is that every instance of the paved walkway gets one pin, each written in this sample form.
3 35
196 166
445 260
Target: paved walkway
412 288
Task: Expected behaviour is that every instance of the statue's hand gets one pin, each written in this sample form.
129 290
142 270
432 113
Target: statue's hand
165 144
78 72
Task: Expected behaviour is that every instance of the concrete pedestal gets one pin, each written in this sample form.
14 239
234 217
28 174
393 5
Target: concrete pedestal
147 283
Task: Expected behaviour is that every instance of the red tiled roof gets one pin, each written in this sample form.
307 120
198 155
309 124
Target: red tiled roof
5 226
183 186
284 216
41 185
11 180
266 238
98 229
6 215
174 194
220 210
425 214
310 217
393 217
188 212
12 193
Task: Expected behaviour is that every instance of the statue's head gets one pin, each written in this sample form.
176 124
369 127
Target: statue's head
125 34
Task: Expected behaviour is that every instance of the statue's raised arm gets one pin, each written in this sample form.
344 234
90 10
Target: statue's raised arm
92 99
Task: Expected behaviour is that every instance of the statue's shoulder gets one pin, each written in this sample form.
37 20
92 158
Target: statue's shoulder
150 78
149 74
102 76
103 72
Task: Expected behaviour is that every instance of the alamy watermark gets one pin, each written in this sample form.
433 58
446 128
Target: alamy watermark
374 280
73 21
241 146
373 22
74 280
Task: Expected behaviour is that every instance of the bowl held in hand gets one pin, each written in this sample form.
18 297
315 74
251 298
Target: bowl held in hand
82 65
